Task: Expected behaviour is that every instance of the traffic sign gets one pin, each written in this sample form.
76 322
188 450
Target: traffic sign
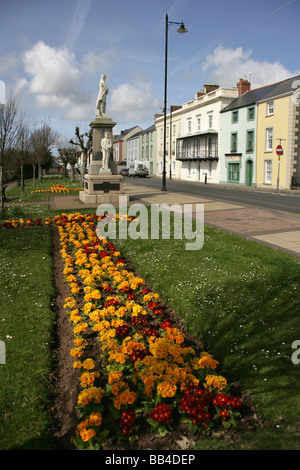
279 150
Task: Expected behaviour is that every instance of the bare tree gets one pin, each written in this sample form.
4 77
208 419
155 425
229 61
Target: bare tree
42 139
84 147
24 151
70 156
11 120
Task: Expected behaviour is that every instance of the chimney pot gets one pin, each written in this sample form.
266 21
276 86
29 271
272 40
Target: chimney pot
243 86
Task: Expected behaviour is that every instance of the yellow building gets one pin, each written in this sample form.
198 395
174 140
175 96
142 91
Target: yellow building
278 123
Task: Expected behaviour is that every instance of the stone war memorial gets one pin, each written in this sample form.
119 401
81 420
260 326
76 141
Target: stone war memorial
102 184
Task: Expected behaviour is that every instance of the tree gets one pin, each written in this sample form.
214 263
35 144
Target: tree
24 151
11 121
69 155
84 147
42 139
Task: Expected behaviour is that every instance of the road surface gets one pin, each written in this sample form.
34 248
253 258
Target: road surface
286 201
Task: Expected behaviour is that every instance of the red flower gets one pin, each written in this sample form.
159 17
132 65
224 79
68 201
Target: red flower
127 421
161 413
166 324
224 414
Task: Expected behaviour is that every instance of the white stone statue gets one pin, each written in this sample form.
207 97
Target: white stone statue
106 146
101 99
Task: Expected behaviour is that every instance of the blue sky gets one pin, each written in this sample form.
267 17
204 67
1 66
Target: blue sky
52 54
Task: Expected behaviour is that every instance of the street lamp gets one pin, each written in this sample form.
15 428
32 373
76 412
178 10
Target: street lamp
181 30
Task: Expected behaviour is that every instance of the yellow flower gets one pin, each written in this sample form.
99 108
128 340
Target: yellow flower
166 389
114 376
215 381
95 419
88 364
206 361
76 352
87 434
89 395
81 327
87 379
125 398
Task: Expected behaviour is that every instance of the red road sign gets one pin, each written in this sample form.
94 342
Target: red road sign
279 150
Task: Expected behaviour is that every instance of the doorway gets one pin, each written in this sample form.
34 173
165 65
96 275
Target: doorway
249 173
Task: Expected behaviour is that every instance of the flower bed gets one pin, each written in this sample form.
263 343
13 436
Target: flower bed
56 188
144 370
141 371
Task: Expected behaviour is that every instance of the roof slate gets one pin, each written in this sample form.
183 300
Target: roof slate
287 86
250 97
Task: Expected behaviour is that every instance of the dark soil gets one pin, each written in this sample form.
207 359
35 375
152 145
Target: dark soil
65 385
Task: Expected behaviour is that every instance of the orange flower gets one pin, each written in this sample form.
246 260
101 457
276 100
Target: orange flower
166 389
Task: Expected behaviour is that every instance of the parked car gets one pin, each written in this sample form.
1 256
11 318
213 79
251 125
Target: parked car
141 172
124 172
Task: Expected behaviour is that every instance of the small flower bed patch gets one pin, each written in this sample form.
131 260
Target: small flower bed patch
56 188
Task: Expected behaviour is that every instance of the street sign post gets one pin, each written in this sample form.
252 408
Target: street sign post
279 152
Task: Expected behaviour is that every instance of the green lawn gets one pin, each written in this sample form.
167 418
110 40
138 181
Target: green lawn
14 194
26 327
241 298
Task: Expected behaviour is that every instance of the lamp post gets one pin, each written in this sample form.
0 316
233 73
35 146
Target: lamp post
181 30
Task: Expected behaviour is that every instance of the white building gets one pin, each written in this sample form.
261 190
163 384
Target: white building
195 135
172 132
199 144
133 150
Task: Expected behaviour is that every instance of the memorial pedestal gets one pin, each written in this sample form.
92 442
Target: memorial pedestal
99 189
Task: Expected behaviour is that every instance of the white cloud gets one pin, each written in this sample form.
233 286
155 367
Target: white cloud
229 65
55 80
134 102
98 63
52 70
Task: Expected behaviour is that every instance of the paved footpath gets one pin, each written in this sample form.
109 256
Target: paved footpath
281 230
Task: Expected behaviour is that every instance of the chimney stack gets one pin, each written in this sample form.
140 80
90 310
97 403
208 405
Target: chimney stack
243 86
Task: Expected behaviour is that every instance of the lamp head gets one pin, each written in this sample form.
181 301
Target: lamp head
182 29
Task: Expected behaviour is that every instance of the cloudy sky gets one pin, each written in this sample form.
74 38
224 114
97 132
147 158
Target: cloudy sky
53 52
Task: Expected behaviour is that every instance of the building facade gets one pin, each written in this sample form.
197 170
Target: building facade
238 136
198 145
133 150
120 145
148 148
173 129
278 123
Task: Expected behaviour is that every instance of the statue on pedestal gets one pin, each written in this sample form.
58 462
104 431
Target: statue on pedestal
101 99
106 146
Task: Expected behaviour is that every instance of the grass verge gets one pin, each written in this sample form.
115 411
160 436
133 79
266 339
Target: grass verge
26 327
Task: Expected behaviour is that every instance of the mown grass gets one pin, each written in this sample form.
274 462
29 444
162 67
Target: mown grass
26 327
14 193
241 298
